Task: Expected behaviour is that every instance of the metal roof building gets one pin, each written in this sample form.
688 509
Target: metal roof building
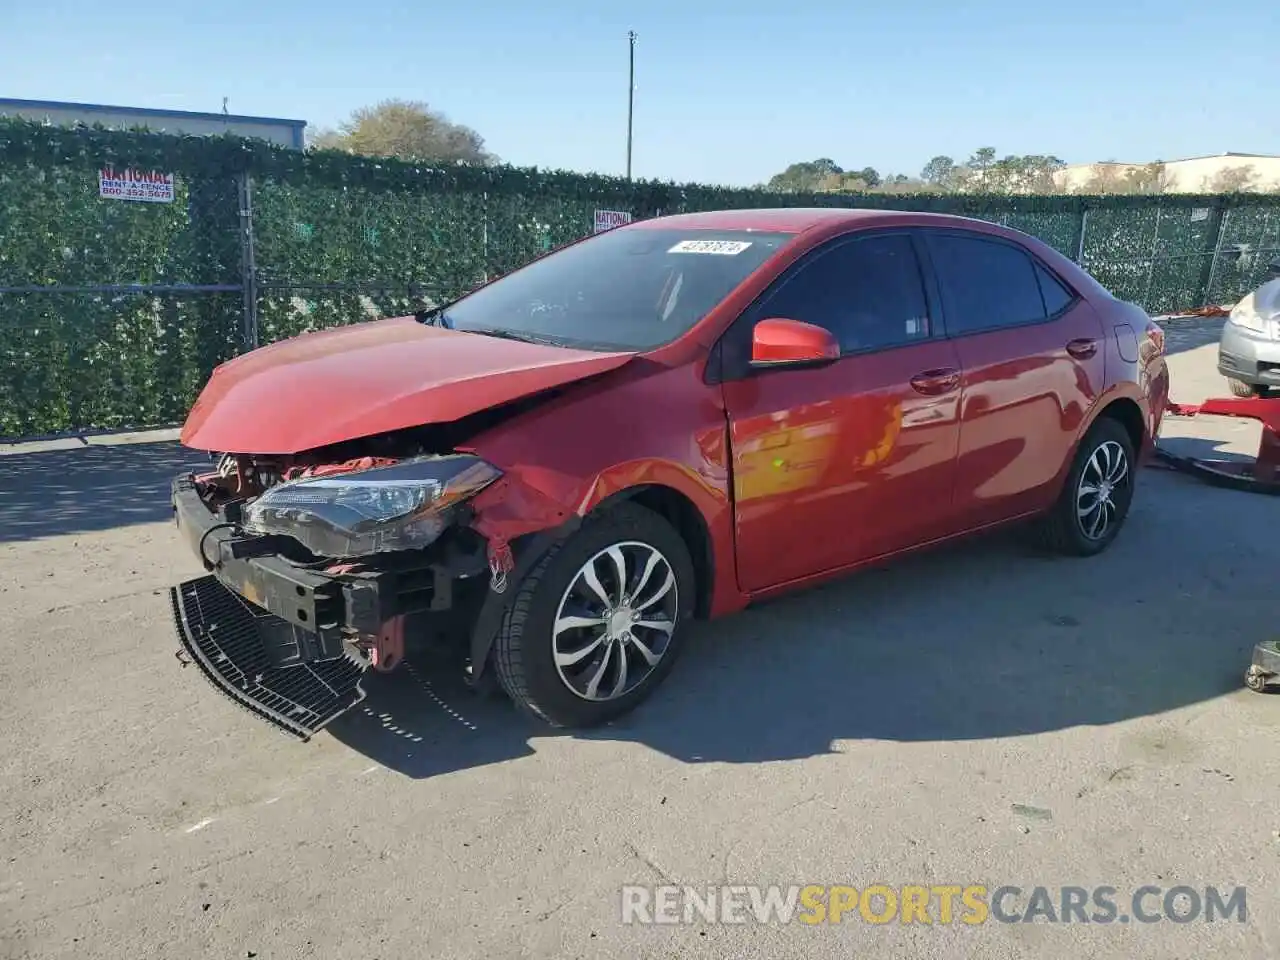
289 133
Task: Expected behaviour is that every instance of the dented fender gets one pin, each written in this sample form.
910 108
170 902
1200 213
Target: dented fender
520 522
649 426
506 513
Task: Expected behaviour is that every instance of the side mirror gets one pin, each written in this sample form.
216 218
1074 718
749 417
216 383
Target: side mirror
778 342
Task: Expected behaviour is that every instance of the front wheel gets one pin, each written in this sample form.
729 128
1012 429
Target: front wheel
597 624
1241 389
1095 499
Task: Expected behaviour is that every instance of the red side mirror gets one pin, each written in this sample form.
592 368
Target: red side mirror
778 342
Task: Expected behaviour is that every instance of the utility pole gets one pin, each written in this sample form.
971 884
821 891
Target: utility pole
631 94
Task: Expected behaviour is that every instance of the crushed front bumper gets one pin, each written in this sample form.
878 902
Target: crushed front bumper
280 638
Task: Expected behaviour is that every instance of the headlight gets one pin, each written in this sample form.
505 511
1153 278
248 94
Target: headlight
402 507
1244 315
1249 314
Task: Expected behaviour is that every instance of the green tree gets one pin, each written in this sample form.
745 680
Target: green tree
978 168
870 176
409 130
940 173
805 177
1038 174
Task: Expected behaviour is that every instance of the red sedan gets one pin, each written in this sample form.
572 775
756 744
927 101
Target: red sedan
663 422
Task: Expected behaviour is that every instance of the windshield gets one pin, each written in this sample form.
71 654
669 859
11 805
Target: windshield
628 289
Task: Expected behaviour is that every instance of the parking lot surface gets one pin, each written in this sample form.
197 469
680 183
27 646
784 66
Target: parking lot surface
976 715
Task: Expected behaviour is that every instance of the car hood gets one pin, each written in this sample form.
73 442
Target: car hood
369 378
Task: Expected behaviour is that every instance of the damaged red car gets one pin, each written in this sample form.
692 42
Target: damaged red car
664 422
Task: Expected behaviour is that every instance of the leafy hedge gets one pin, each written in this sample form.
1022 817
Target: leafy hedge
338 238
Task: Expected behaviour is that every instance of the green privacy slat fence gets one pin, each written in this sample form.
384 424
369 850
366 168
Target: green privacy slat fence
113 313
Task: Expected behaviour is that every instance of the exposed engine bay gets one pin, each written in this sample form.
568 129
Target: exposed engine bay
240 477
351 551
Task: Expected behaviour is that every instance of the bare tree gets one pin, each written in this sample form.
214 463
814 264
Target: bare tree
1232 180
1106 178
1150 178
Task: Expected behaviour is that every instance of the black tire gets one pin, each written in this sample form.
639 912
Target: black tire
523 652
1241 389
1062 530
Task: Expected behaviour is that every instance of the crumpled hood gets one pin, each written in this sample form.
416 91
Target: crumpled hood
369 378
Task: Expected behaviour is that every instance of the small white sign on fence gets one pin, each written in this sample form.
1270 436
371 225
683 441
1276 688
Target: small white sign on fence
1199 213
608 219
148 186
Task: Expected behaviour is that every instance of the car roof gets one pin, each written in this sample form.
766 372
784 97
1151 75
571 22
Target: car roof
793 219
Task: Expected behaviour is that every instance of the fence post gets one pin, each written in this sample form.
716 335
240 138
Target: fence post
248 267
1080 231
1151 264
484 207
1211 250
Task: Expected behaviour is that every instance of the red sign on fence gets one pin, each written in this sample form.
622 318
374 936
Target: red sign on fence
149 186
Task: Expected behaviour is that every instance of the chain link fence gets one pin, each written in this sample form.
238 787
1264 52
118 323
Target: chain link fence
113 313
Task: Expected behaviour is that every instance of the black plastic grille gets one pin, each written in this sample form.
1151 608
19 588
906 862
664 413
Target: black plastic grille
224 636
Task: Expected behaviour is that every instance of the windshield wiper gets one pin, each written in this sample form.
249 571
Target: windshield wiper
514 335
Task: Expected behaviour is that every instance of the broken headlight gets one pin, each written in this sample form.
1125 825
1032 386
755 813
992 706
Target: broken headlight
405 506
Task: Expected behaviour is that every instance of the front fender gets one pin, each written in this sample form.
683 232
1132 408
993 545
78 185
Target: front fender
646 426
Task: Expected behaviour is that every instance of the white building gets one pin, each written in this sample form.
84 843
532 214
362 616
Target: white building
1255 171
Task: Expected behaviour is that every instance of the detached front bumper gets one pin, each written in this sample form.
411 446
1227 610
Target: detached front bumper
279 638
240 649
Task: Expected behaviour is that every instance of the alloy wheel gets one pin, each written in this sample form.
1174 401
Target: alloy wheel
1105 477
615 621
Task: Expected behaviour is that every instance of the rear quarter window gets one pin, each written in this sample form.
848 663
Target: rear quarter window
1056 297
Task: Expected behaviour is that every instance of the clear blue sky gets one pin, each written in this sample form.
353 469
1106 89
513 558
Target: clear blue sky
727 91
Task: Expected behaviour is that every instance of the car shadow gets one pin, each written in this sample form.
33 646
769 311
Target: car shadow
1190 333
56 492
979 640
1201 448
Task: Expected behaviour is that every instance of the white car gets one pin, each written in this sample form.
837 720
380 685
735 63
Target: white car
1249 350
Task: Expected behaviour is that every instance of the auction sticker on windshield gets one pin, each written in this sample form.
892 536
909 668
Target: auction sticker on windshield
724 247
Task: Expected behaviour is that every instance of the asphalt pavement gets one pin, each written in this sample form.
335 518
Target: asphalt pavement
976 715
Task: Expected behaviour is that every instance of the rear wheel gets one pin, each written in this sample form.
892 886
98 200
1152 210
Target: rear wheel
597 624
1095 500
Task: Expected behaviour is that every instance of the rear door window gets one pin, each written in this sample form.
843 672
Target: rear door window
986 284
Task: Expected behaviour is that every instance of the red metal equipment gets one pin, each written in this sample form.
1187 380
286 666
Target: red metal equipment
1259 475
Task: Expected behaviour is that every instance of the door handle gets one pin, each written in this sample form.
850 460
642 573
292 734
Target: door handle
934 382
1083 348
